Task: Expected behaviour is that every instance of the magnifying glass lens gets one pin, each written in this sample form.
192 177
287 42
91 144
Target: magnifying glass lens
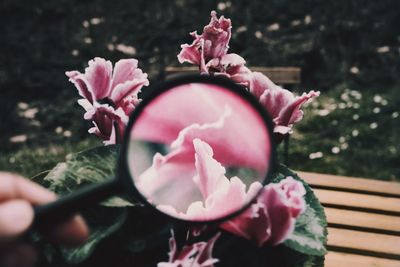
199 152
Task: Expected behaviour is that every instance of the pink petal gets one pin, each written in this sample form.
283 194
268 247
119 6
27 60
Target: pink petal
175 110
109 123
127 80
284 107
253 224
281 220
222 196
219 197
276 100
80 82
232 146
98 77
230 60
195 255
190 53
124 70
259 83
167 173
272 218
90 110
128 104
292 113
210 173
218 33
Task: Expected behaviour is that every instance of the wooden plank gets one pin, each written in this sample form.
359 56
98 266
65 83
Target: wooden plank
279 75
355 200
364 241
363 219
352 183
338 259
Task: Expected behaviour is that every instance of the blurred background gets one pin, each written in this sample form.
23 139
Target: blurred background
348 50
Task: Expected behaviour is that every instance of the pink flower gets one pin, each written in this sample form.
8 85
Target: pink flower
271 219
209 52
195 255
211 44
109 96
284 107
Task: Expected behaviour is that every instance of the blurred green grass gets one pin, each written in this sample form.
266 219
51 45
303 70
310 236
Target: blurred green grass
350 131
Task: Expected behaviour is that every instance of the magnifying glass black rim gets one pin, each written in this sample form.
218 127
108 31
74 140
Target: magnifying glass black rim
152 93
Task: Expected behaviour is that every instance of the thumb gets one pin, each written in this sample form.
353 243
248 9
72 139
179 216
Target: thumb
15 218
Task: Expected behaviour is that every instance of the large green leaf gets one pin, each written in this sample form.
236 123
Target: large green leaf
310 234
91 166
98 232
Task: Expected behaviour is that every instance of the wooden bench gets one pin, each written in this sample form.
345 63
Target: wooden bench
279 75
363 220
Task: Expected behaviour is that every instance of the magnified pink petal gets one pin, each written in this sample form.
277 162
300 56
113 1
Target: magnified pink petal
229 138
179 108
210 173
220 195
220 118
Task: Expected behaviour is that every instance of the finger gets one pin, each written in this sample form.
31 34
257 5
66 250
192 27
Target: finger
15 218
13 186
18 255
72 232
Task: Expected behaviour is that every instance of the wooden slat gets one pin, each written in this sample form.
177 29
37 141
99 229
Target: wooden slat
279 75
338 259
346 183
364 241
363 219
363 201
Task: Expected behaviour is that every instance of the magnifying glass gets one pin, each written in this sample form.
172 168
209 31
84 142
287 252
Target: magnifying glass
196 149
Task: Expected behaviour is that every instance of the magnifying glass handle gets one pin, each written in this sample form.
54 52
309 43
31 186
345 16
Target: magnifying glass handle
55 212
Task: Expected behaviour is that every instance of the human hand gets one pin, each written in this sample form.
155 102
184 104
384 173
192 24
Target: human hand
17 195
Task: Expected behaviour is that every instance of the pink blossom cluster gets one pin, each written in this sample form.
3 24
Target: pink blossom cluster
201 142
272 217
109 96
209 51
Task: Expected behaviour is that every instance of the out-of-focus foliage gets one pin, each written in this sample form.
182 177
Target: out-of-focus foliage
338 44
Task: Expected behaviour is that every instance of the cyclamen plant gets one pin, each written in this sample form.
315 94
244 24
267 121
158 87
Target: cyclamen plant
285 219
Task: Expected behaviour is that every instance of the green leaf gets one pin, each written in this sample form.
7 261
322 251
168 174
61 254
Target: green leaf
91 166
98 233
313 261
310 234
